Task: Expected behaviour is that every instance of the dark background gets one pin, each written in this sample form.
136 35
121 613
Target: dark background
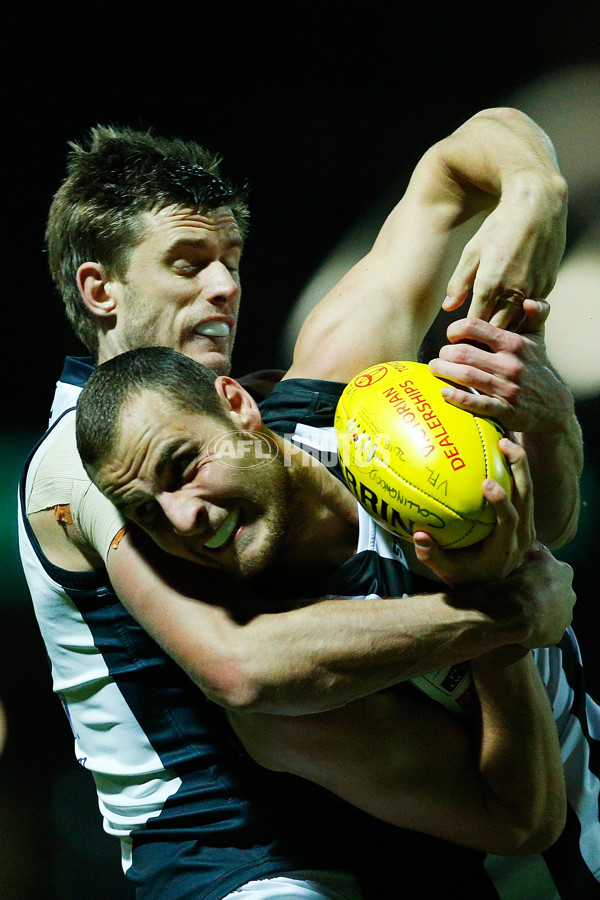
321 110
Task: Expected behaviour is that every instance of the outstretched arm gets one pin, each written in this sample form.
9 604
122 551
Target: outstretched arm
499 163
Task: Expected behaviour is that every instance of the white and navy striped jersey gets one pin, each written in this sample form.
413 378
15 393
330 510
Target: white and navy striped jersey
197 818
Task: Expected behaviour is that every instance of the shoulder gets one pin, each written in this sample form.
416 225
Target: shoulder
71 521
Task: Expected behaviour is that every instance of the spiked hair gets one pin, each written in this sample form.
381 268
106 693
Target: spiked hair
112 178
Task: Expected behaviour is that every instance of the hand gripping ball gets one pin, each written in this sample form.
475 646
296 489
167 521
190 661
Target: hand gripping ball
415 461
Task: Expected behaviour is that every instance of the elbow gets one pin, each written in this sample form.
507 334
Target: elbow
548 827
231 683
542 838
529 838
529 841
554 537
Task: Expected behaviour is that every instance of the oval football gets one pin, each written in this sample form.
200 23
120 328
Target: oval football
415 461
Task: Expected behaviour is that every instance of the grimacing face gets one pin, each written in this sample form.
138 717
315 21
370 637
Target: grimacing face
216 509
182 286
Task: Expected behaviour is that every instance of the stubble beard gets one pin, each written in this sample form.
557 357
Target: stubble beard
138 333
277 527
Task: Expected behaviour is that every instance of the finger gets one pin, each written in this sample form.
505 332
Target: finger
482 305
536 313
494 383
481 332
528 316
475 356
502 538
462 280
503 306
476 404
522 489
508 316
453 300
431 555
522 493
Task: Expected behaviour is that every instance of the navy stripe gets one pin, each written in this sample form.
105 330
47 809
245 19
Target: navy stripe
564 860
239 817
301 401
368 573
77 370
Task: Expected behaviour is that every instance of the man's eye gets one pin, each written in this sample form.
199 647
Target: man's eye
185 268
232 266
182 465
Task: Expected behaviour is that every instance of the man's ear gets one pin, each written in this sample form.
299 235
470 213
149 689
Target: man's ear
238 403
99 294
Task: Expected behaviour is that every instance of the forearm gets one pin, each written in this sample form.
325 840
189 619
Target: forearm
556 463
336 651
520 764
424 771
330 652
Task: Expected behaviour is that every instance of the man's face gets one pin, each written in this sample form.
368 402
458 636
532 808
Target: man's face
171 476
182 286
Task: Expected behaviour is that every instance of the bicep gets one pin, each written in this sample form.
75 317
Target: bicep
181 607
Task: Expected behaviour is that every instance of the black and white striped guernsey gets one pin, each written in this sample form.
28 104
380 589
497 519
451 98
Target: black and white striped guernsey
303 411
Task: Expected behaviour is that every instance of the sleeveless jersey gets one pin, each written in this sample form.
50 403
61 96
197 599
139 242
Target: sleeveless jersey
196 817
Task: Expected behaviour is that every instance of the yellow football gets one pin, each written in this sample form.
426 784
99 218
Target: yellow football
415 461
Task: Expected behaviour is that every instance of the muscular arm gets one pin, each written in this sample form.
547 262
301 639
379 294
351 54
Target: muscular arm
499 162
311 658
324 655
519 760
494 784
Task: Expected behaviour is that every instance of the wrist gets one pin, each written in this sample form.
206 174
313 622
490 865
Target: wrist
529 187
501 611
558 422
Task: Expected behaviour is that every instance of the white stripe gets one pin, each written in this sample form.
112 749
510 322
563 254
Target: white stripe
132 786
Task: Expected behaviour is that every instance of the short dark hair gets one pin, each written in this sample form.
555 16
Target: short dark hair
186 384
112 177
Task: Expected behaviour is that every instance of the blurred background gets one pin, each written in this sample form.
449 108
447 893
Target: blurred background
325 112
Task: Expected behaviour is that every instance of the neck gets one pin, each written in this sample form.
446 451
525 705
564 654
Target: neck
323 517
107 349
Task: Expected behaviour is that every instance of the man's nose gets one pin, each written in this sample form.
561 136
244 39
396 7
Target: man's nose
220 284
186 513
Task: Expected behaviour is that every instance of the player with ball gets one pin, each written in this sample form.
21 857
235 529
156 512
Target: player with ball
488 776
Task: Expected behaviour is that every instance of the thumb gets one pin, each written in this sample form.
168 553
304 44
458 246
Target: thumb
536 312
